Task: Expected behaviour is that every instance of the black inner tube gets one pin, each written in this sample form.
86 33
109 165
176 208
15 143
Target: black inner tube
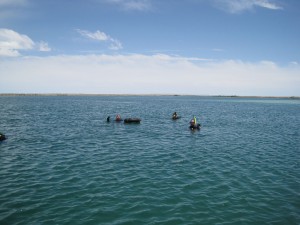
2 137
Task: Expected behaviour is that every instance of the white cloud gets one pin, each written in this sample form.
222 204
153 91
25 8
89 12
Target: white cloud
138 5
115 44
11 43
43 47
218 50
13 3
142 74
266 4
294 63
237 6
101 36
98 35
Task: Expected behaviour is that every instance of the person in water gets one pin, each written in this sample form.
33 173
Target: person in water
108 119
175 116
194 124
118 118
2 137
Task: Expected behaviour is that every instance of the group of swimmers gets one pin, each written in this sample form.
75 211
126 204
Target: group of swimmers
193 123
118 118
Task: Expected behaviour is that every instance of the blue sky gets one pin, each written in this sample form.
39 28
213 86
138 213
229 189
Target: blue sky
205 47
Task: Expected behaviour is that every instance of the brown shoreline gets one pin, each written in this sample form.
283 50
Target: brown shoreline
83 94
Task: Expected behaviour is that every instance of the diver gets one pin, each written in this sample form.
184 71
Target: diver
175 116
194 124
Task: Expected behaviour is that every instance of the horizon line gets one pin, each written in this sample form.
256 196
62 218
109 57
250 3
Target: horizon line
149 94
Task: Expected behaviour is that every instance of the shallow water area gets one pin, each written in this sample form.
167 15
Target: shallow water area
64 164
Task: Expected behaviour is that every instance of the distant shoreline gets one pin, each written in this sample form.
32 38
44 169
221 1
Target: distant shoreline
83 94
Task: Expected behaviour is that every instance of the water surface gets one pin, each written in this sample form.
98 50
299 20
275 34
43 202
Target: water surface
63 164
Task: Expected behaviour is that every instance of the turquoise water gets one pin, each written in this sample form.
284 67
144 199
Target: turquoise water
63 164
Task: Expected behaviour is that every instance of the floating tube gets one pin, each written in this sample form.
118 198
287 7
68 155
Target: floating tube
2 137
132 120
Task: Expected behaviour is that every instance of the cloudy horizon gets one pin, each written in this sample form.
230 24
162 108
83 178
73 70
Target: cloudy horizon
219 47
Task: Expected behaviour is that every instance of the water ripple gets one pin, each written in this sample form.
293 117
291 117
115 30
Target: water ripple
66 165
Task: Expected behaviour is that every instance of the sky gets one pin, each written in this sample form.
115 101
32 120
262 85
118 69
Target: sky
197 47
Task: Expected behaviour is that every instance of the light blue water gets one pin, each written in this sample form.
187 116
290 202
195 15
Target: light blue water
63 164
